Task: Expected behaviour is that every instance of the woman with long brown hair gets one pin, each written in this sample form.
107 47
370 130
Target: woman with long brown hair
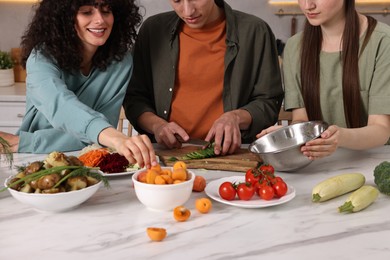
342 78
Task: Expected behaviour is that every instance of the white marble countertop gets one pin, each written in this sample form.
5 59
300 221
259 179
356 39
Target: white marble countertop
14 93
112 224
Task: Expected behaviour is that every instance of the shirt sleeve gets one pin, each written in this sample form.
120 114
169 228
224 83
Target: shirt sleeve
291 74
48 140
379 92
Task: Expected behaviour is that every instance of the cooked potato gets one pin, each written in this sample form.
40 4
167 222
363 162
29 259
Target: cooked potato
48 181
33 167
27 189
76 183
51 191
91 181
73 160
55 159
15 186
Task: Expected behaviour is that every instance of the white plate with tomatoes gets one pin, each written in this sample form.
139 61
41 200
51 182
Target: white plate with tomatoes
212 190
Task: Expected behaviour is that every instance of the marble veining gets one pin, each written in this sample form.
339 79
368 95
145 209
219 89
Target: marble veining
112 224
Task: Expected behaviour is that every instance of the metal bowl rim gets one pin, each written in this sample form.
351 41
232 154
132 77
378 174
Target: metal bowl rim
321 123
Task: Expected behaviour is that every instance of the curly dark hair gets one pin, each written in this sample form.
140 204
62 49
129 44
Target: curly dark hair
52 30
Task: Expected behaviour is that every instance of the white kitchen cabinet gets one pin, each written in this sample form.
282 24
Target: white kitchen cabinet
11 116
12 107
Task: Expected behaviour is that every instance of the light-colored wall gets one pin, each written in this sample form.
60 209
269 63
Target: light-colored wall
14 17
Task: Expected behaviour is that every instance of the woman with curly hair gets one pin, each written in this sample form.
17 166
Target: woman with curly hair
78 62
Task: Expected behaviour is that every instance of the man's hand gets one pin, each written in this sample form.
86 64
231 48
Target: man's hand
170 135
226 133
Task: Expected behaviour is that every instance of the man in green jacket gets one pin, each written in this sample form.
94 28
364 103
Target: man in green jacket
204 71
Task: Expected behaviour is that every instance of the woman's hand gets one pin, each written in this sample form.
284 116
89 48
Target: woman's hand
12 140
323 146
136 149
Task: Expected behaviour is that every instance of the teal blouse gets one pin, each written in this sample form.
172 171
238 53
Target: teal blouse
65 111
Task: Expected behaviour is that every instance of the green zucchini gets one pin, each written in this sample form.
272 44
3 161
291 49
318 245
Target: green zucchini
336 186
360 199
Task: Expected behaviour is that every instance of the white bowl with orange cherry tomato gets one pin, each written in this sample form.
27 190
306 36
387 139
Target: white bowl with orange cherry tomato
164 188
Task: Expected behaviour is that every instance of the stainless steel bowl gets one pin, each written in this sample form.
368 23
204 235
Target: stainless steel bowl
281 148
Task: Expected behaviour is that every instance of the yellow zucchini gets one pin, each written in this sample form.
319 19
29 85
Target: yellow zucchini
336 186
360 199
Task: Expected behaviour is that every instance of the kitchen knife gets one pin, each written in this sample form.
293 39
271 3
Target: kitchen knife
195 141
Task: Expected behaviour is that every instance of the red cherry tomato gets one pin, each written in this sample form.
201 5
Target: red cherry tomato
267 169
266 192
257 186
227 191
252 177
280 188
277 178
245 191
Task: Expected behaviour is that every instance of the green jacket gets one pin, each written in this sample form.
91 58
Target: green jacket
252 78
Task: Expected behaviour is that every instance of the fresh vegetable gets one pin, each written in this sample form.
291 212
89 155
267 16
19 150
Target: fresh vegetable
266 192
93 157
207 152
280 188
227 191
360 199
382 177
336 186
245 191
203 205
58 173
267 169
259 180
252 176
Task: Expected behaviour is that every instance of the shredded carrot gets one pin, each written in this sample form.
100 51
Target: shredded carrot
93 157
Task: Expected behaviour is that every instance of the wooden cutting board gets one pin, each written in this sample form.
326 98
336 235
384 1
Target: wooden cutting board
241 161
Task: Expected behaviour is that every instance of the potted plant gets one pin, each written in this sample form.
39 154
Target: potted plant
6 69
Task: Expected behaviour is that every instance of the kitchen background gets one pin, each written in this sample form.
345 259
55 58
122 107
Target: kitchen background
15 16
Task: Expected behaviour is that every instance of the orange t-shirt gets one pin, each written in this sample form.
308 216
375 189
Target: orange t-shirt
197 98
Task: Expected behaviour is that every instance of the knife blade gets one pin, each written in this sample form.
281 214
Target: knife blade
195 141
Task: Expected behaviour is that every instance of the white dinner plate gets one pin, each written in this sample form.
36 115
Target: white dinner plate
212 190
127 172
119 173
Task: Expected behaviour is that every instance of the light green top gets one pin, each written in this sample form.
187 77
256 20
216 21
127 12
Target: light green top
67 111
374 72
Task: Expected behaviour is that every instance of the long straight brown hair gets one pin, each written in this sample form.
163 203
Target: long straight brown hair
310 66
